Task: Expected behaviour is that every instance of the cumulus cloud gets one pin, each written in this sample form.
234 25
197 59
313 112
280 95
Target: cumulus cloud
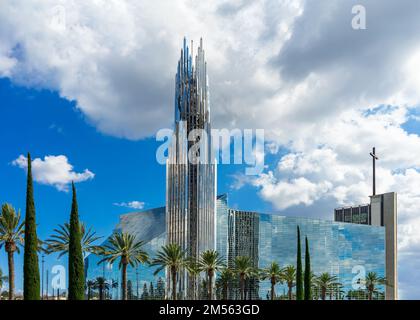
117 59
338 153
131 204
284 194
54 171
332 162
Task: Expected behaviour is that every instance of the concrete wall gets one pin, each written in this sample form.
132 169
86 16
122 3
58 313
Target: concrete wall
384 209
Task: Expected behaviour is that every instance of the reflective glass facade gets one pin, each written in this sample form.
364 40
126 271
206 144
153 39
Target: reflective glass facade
243 240
148 226
382 211
222 227
341 249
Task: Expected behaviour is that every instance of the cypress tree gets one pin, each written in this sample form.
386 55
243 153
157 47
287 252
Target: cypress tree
76 269
31 283
299 279
307 276
145 294
160 288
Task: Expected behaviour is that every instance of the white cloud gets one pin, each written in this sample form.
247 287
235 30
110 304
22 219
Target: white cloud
117 59
284 194
131 204
54 171
332 162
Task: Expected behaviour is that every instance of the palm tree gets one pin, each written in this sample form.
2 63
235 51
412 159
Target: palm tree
114 284
224 279
243 268
11 235
3 279
59 242
314 287
193 270
325 282
338 291
289 276
172 257
210 262
273 273
89 285
102 285
123 246
372 280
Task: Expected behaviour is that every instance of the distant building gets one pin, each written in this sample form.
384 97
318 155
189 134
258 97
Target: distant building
243 240
382 211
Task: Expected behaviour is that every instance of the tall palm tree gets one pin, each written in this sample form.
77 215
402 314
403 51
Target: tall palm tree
59 242
102 285
289 276
171 256
372 280
223 281
123 246
244 269
11 235
210 262
3 279
90 284
273 273
325 282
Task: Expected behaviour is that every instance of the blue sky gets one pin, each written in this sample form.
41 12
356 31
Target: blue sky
89 84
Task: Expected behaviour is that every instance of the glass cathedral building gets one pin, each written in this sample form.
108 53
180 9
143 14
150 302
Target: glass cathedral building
196 220
346 250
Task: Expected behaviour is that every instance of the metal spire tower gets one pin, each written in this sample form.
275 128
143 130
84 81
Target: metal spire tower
191 185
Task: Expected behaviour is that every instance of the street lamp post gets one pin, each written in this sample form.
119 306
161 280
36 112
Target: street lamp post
137 282
42 277
46 284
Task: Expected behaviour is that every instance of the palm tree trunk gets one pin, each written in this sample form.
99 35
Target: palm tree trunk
101 292
323 293
289 292
225 291
273 283
242 284
11 263
89 293
370 295
124 281
173 284
210 286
